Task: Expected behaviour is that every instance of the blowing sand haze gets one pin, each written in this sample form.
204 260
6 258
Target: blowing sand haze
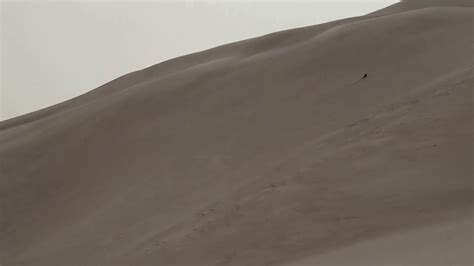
344 143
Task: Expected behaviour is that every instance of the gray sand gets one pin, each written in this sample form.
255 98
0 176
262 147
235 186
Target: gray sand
269 151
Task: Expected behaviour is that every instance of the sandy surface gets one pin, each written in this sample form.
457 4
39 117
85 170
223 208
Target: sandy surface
444 244
269 151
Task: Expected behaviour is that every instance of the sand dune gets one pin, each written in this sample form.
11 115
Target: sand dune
444 244
269 151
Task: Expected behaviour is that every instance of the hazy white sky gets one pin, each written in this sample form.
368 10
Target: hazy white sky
54 50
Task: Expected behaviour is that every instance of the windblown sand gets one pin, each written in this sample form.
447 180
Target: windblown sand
269 151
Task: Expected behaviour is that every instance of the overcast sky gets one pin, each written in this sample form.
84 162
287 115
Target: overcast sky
53 51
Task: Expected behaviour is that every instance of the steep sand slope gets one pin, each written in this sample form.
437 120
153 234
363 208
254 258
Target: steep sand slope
260 152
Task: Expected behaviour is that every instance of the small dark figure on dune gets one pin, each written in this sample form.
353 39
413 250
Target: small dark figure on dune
364 76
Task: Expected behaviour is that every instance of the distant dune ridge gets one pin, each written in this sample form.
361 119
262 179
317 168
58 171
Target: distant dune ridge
268 151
